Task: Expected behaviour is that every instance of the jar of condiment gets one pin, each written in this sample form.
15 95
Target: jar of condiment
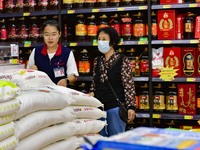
115 22
80 28
189 23
92 28
126 27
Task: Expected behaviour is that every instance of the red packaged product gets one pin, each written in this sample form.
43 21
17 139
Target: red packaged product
187 99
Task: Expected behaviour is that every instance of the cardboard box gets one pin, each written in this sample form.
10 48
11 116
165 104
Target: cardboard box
187 99
166 24
172 58
189 67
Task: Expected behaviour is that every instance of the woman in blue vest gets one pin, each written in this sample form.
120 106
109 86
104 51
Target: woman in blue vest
115 68
56 60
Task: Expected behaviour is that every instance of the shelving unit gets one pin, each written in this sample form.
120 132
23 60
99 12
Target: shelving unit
148 42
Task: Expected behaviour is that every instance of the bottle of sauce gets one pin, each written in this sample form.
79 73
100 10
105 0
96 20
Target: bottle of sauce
53 4
102 3
188 64
22 30
189 23
78 3
9 6
19 6
137 67
67 4
92 28
172 99
3 31
42 5
144 63
90 3
84 63
126 27
114 3
33 30
154 26
64 37
115 22
126 2
103 21
139 2
1 5
29 5
158 98
12 31
132 57
138 26
80 28
144 98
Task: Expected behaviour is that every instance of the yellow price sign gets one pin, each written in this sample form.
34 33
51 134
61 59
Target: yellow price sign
142 7
27 44
94 43
191 79
156 116
26 14
188 117
167 6
142 42
167 42
194 41
73 44
14 61
95 10
121 9
193 5
71 11
168 73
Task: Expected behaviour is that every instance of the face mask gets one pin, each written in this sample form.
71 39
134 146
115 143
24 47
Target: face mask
103 46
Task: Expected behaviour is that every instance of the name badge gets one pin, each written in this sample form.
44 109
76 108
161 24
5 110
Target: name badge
59 72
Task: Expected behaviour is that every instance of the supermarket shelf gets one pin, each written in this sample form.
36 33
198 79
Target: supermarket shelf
34 13
108 9
89 78
176 116
30 44
178 79
192 5
191 41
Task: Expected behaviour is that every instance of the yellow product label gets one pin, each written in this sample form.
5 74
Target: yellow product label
81 30
143 101
171 102
84 66
168 73
67 1
159 102
186 144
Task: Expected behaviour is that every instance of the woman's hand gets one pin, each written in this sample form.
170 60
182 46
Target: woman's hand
131 115
34 67
62 82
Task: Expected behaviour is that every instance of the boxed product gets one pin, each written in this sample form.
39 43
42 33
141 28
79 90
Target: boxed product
187 99
166 24
172 58
189 68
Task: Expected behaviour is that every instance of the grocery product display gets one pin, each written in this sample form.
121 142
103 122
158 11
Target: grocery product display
160 37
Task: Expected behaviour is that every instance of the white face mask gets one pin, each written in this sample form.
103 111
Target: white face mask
103 46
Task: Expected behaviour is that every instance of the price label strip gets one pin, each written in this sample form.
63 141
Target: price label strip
73 44
188 117
156 116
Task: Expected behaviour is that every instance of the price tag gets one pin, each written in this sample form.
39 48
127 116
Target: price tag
94 43
142 7
71 11
156 116
191 79
72 44
141 42
27 44
194 41
188 117
167 6
26 14
14 61
95 10
121 9
193 5
167 42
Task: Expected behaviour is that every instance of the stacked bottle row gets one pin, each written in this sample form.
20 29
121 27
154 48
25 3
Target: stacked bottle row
129 26
10 6
180 98
22 29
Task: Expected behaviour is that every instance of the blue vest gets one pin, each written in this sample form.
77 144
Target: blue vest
46 65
